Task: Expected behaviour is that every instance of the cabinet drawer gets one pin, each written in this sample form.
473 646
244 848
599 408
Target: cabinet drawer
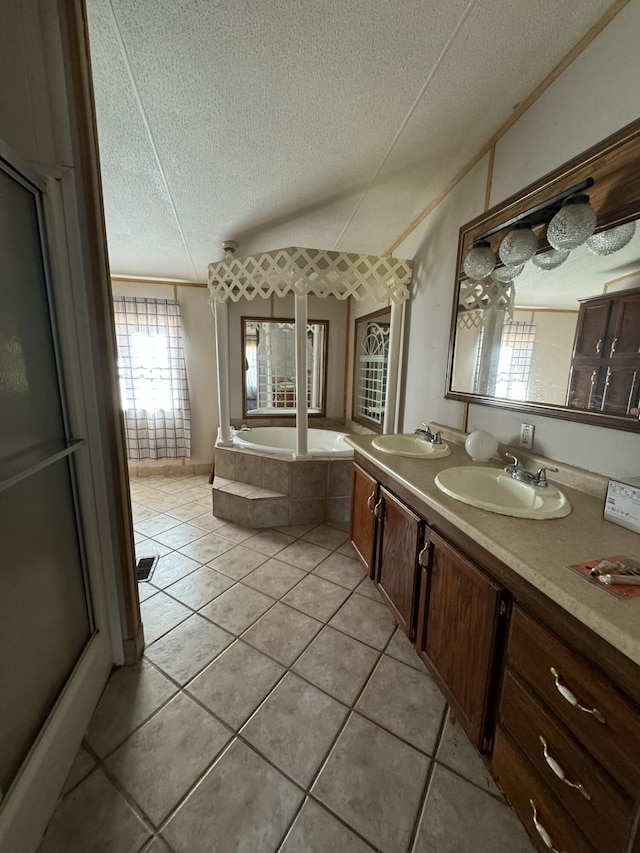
603 721
525 791
600 807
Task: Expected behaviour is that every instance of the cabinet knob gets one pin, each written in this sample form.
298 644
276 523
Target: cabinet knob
570 697
542 832
558 770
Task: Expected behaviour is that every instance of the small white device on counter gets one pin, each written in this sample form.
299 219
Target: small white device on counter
481 445
622 504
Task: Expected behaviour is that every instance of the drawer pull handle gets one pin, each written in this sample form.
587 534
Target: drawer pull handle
370 500
557 769
424 564
542 832
377 510
564 691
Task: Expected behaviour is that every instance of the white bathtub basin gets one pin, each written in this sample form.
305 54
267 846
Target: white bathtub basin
408 444
494 490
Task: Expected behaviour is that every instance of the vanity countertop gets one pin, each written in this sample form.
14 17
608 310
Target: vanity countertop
538 550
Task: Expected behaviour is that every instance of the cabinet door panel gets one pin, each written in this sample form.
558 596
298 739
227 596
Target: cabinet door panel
591 332
363 523
458 636
584 386
626 335
621 389
397 576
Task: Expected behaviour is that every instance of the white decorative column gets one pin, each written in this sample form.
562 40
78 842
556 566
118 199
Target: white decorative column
302 447
393 366
221 314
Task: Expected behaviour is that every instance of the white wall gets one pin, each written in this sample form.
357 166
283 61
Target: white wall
198 336
595 96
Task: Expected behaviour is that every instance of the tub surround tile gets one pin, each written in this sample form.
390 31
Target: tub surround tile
224 462
159 763
458 816
308 510
160 614
337 664
339 511
316 597
238 561
187 649
254 805
114 826
238 488
374 782
249 469
309 479
269 511
282 633
295 727
237 608
237 682
275 474
200 587
365 620
233 508
274 578
317 831
132 694
340 477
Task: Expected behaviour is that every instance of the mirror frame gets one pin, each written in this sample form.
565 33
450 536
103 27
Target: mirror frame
614 165
285 413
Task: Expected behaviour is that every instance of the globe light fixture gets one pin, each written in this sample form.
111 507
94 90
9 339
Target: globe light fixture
480 261
573 224
608 242
518 245
550 259
509 273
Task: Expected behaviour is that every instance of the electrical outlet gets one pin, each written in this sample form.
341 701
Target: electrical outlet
527 432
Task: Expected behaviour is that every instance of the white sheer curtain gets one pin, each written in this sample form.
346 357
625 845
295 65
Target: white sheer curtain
153 378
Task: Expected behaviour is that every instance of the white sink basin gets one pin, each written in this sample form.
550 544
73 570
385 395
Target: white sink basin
493 490
408 444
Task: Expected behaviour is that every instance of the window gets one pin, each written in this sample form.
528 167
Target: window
514 361
153 378
269 348
370 368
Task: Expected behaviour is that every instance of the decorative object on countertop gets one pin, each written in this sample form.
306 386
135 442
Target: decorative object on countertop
619 566
481 445
622 503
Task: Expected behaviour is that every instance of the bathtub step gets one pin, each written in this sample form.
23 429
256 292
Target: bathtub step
250 506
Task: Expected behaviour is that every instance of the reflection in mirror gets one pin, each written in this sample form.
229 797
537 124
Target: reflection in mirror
563 337
269 366
371 356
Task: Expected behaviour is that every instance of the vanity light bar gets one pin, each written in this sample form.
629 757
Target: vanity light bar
542 212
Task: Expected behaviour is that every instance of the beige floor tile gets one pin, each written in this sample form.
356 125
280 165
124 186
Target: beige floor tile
196 493
171 568
152 549
180 535
207 548
132 694
316 831
316 597
156 845
295 530
82 765
367 588
157 524
295 728
237 608
456 752
458 816
404 701
160 614
138 537
207 521
146 590
235 684
338 664
159 762
365 620
200 587
347 549
326 537
238 562
402 649
162 501
303 555
183 652
269 542
341 570
236 532
374 782
274 578
186 512
113 828
139 512
243 804
282 633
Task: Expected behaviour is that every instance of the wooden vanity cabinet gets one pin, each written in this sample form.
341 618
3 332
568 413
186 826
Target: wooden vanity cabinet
459 619
364 496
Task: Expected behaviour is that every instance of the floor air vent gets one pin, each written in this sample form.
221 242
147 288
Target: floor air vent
145 567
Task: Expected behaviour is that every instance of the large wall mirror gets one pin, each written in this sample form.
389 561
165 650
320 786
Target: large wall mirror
269 369
558 334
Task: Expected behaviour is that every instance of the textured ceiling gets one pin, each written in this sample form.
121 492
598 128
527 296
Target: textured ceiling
328 123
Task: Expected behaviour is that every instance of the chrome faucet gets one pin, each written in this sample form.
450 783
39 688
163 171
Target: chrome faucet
516 470
431 437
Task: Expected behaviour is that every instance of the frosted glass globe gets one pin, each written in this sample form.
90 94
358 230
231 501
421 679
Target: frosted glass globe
480 261
481 445
551 259
506 274
518 246
608 242
573 224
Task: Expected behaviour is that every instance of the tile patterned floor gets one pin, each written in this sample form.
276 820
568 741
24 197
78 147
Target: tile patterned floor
277 708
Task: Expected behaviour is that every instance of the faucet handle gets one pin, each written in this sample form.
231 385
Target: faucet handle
541 476
516 461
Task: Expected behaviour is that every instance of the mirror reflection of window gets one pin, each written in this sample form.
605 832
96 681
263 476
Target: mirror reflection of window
269 366
371 358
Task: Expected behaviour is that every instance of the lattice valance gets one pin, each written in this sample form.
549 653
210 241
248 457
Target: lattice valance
477 296
311 271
